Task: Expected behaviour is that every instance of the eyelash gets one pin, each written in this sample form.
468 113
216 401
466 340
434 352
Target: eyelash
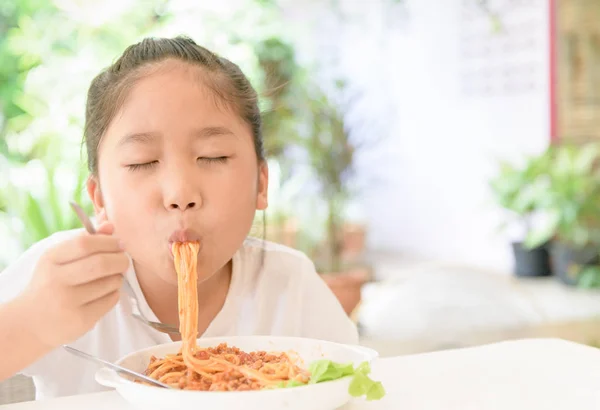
215 160
148 165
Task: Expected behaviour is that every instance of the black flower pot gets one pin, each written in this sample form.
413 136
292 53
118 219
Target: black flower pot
567 261
531 262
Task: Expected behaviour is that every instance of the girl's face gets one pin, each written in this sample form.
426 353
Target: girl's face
175 164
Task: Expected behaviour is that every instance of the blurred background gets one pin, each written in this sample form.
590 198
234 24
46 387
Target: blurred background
436 159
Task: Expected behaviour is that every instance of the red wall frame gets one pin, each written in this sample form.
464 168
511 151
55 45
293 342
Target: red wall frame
553 106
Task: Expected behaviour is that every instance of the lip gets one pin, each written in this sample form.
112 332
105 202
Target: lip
184 235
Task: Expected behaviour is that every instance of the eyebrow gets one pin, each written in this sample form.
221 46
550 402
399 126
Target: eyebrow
147 137
139 137
208 132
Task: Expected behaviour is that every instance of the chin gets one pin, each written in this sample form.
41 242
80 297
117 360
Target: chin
169 277
166 271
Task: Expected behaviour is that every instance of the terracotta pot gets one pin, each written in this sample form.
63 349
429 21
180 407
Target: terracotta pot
285 233
353 239
346 286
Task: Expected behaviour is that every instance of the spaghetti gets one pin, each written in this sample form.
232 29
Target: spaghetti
220 368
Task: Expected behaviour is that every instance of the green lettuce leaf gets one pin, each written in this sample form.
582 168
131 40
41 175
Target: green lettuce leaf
290 383
363 385
360 385
326 370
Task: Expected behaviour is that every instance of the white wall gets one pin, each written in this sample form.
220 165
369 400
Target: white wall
442 141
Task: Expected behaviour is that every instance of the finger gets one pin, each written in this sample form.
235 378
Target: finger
105 228
99 288
100 306
95 267
81 246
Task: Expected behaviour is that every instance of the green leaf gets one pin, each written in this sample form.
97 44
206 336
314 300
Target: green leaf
586 158
376 391
325 370
589 277
290 383
364 368
55 202
34 218
80 186
545 233
362 384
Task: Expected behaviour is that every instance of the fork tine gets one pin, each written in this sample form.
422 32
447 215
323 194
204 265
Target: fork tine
161 327
169 328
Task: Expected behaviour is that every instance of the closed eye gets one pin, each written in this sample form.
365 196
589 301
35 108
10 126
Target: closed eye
213 160
145 165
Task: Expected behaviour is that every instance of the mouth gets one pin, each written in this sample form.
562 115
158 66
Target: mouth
182 235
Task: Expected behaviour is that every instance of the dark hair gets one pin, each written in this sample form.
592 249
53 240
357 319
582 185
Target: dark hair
108 90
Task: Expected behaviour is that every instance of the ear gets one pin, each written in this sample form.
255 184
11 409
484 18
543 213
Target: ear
93 189
262 198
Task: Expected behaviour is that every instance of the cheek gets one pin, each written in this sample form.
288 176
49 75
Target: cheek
240 200
242 189
124 201
230 199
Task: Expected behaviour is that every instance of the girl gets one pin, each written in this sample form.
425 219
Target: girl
173 136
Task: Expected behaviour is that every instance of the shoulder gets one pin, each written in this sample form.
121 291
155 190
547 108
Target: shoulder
17 275
272 263
275 255
38 248
281 271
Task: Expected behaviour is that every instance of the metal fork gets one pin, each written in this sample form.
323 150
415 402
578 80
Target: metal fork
115 367
137 314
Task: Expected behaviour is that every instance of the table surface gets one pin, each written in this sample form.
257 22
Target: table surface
523 374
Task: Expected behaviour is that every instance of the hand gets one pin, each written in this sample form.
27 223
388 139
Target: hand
74 284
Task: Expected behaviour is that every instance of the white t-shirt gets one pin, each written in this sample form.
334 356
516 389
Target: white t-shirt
286 298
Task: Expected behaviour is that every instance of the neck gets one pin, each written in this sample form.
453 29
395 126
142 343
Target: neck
161 296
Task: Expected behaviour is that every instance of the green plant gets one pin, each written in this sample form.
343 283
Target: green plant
282 109
18 57
560 189
331 152
40 214
570 202
589 277
521 189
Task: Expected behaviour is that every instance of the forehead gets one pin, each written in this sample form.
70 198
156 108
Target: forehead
170 98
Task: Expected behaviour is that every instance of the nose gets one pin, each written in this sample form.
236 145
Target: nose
183 199
182 206
181 193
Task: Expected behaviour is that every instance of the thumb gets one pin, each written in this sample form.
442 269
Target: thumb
105 228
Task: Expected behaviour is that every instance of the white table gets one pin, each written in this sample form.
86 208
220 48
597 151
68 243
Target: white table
524 374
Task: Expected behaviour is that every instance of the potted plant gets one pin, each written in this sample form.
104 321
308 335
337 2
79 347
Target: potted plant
571 209
281 79
518 189
299 120
331 153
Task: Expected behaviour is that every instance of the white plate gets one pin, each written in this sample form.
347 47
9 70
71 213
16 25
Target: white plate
320 396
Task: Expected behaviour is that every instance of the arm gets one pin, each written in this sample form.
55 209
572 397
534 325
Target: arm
54 294
18 347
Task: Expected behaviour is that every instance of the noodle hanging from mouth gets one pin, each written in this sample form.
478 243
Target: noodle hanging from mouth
220 368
